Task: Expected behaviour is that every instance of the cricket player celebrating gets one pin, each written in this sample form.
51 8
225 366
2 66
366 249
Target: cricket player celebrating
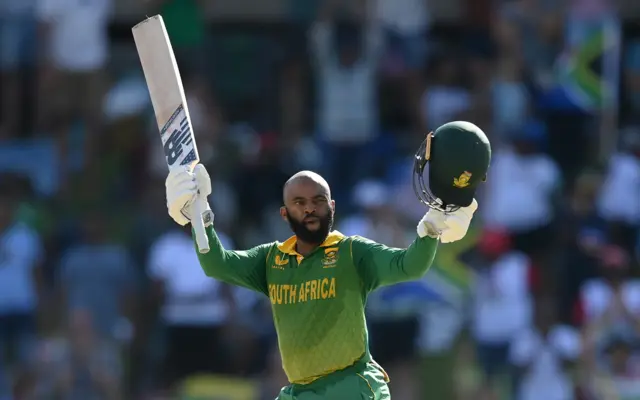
318 280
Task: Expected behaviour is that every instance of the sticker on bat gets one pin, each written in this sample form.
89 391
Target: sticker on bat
176 135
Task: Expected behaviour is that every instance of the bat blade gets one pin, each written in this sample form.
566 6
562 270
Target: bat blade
167 94
170 106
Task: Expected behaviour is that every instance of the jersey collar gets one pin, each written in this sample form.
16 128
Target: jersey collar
289 245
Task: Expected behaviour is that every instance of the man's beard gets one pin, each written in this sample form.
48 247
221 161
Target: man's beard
313 237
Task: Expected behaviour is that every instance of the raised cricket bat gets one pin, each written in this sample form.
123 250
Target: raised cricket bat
170 107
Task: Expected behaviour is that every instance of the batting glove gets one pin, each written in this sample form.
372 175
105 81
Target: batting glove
184 187
448 227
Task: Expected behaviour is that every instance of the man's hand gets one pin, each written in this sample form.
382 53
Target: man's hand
449 227
183 187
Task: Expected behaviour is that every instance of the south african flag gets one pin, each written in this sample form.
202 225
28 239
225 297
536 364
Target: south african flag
589 68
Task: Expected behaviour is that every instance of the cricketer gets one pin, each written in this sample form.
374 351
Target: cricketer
318 280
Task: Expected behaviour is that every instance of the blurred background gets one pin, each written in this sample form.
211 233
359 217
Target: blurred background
101 296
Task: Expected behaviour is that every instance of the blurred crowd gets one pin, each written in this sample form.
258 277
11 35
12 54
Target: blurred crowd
102 297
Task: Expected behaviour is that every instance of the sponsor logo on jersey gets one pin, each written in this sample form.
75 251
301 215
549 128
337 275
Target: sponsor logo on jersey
280 262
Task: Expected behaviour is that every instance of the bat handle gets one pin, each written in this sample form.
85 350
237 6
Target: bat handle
198 208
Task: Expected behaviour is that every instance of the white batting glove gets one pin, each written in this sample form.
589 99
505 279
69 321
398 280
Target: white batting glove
183 188
449 227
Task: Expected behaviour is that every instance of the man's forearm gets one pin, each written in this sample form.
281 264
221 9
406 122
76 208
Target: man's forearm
419 256
241 268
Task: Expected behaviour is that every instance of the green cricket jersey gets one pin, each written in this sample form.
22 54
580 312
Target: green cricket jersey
318 301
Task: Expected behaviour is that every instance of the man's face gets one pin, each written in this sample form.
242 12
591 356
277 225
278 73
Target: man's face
309 210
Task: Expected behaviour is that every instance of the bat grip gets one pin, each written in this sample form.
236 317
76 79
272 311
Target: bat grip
197 209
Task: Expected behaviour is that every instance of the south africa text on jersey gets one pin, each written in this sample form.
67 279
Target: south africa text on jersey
317 289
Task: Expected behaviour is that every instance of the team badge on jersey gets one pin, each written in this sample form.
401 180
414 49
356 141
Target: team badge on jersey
330 257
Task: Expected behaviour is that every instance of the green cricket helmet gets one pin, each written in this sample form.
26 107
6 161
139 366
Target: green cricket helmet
457 155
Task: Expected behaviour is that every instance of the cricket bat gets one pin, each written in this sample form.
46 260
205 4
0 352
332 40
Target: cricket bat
170 107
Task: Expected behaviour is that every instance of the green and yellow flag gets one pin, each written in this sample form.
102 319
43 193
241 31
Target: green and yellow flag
589 68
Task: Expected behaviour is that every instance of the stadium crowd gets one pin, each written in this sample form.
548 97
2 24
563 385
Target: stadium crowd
102 297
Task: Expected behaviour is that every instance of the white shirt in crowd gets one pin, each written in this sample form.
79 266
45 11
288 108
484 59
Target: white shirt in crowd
596 297
545 377
79 39
511 103
518 195
407 17
372 195
20 253
502 305
620 195
192 298
441 104
348 101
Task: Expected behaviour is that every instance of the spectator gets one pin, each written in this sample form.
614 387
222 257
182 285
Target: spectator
376 220
21 255
612 302
521 194
98 275
193 308
619 200
406 26
501 305
17 53
544 354
529 30
511 106
570 104
295 111
394 324
126 112
618 375
73 57
582 235
444 99
80 365
345 54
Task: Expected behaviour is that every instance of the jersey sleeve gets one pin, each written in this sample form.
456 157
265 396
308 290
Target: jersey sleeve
380 265
242 268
